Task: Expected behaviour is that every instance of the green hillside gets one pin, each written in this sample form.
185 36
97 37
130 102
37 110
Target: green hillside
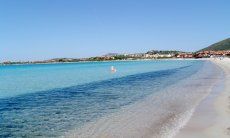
222 45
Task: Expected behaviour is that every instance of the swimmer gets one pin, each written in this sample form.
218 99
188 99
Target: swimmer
113 69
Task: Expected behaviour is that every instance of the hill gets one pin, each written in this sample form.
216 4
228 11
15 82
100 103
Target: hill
222 45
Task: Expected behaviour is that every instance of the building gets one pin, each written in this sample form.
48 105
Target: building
207 54
185 55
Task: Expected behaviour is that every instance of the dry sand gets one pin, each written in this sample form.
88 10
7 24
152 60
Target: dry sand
211 119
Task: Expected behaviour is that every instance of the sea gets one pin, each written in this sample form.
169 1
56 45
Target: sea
85 99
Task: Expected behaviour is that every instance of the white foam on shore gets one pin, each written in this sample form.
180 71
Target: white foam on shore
160 115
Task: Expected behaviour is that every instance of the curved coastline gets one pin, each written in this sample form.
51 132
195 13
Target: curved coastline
53 112
212 116
159 115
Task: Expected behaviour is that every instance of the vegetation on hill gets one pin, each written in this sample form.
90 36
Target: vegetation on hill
222 45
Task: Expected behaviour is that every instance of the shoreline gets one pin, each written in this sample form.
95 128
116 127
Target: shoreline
128 60
211 118
159 115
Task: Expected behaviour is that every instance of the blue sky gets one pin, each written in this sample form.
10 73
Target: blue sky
44 29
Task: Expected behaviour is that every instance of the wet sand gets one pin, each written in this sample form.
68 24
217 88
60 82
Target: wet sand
160 115
211 118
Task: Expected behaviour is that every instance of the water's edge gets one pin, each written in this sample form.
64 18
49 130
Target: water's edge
206 115
148 103
145 119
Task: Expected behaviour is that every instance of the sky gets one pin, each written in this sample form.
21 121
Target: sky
45 29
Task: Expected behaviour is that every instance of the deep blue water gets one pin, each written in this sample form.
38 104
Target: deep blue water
52 112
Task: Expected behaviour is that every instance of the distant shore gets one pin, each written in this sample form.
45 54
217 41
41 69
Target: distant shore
150 55
104 61
86 61
211 119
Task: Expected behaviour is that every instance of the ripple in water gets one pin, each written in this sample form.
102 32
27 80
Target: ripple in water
54 112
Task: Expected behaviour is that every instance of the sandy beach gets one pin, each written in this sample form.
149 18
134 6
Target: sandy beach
158 115
211 118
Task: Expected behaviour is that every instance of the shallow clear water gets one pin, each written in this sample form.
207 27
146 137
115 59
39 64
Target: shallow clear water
20 79
49 100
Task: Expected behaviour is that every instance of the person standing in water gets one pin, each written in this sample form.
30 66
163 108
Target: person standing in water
113 69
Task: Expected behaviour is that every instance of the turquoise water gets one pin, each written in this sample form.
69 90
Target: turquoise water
20 79
49 100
